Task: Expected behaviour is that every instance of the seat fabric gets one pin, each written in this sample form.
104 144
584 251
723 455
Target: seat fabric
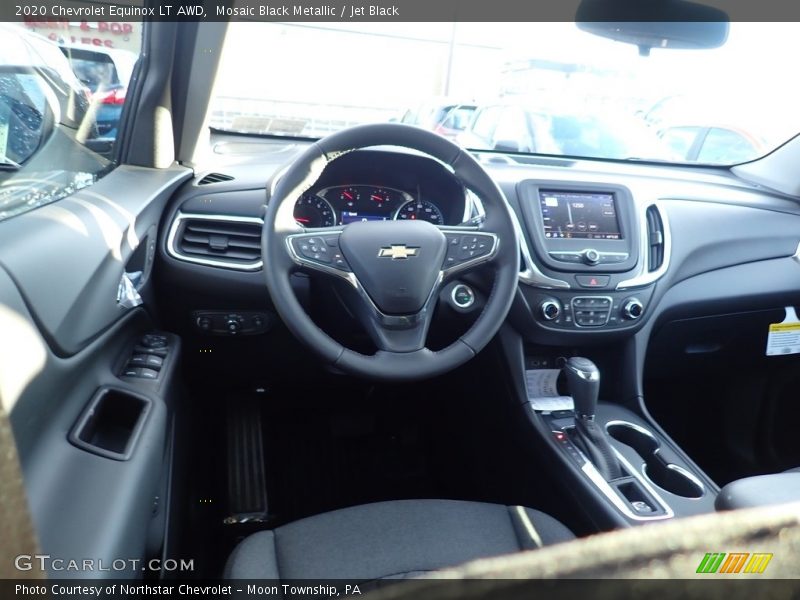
391 539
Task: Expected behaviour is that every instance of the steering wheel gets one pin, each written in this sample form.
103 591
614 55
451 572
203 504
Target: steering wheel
395 269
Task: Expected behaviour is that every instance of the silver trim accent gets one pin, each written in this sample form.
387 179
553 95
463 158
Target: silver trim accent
594 475
585 375
547 303
471 296
474 213
580 254
643 276
173 250
630 303
686 473
796 255
635 427
531 274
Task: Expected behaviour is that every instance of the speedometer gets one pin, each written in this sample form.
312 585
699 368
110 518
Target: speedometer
420 210
314 211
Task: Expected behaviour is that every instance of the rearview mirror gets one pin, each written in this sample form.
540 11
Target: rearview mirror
659 24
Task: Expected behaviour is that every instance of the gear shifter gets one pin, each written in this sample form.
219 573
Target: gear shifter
583 378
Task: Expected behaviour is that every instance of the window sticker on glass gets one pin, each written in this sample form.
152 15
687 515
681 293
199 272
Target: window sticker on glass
784 337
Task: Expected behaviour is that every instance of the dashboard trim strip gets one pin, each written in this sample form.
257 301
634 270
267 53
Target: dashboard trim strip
644 277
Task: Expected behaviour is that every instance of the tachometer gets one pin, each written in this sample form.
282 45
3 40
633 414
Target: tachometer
385 198
420 209
349 196
314 211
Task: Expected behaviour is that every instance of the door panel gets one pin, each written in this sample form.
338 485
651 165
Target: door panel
68 337
67 258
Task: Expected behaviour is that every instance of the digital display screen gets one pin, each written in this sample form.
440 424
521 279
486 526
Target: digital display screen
352 217
579 215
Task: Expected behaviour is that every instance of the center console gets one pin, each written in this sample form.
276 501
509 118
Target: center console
630 472
591 255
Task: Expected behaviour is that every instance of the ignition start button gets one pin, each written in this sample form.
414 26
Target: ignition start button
463 296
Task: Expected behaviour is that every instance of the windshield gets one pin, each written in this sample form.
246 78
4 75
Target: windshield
539 88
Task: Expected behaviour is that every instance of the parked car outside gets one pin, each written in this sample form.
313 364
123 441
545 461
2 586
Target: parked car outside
106 73
445 117
516 128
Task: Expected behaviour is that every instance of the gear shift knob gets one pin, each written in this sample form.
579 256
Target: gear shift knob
583 378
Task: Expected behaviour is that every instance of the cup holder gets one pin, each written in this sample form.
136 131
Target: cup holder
667 476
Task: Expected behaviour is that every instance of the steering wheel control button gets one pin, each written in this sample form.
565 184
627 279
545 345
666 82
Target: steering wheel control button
464 248
591 256
593 281
463 296
632 309
339 262
315 249
550 309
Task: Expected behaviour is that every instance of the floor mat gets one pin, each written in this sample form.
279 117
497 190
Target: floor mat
323 458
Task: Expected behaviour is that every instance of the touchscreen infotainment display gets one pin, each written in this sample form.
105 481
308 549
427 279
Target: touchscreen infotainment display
579 215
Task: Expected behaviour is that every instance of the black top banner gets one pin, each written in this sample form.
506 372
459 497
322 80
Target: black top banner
400 10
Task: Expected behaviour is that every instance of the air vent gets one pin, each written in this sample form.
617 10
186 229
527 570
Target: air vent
655 239
220 241
214 178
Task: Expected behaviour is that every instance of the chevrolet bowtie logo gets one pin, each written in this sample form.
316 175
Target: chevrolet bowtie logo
397 251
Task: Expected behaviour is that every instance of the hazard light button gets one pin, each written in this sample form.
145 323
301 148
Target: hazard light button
592 281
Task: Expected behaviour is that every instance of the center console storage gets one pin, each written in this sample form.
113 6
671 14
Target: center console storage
659 467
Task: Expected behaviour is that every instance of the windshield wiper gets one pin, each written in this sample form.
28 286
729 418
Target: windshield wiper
6 164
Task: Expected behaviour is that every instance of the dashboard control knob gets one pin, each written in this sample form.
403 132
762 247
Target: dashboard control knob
233 324
550 308
632 308
463 296
591 256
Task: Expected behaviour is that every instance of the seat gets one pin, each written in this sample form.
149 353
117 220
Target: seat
760 490
389 540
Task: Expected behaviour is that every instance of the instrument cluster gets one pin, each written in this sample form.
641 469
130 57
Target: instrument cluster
344 204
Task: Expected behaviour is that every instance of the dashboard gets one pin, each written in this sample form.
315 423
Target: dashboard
607 248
